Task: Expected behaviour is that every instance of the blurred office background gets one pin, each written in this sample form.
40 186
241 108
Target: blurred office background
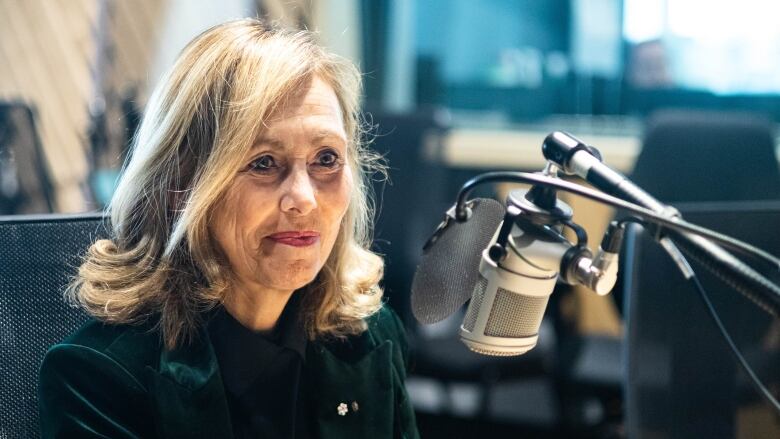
454 88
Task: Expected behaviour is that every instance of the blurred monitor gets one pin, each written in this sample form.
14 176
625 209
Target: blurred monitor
682 379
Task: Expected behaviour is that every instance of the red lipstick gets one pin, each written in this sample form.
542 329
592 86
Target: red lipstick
296 238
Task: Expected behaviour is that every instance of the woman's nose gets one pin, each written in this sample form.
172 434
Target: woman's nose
298 193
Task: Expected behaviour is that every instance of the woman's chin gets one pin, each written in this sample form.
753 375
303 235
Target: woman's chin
290 279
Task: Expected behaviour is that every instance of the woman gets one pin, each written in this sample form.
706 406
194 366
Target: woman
237 297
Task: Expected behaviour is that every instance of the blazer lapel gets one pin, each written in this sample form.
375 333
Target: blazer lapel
189 393
351 388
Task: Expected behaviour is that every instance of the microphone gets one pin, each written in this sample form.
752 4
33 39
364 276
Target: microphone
519 269
507 268
511 293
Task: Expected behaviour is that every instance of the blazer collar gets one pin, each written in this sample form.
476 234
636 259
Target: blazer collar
189 394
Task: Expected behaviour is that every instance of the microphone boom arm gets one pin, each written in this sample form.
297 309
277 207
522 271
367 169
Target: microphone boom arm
569 153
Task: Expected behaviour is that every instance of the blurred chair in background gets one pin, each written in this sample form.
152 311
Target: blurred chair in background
692 156
696 156
111 135
410 203
38 257
678 367
25 184
409 208
682 380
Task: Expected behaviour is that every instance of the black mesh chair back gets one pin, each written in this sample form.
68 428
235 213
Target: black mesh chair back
24 176
38 257
691 156
682 380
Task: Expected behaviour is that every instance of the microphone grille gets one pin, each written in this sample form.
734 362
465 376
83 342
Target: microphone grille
491 352
515 315
476 303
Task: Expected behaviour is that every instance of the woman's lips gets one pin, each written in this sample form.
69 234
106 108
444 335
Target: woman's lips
295 238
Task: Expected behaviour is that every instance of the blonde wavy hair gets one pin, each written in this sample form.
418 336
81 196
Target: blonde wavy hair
162 262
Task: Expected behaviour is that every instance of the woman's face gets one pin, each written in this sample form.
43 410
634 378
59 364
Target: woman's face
282 214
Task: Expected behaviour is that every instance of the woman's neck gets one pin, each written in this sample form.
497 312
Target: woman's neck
257 310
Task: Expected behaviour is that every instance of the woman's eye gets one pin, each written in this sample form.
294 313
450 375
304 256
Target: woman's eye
328 159
263 164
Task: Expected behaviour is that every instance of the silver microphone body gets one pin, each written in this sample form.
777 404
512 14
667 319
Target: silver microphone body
511 295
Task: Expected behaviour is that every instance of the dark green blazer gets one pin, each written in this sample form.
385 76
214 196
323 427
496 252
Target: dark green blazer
119 381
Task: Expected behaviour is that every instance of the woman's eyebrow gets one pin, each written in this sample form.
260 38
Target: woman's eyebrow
319 136
268 141
328 135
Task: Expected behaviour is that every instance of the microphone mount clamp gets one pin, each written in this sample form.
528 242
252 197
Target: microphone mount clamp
542 216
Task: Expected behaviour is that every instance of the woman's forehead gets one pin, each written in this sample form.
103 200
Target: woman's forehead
314 110
315 97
